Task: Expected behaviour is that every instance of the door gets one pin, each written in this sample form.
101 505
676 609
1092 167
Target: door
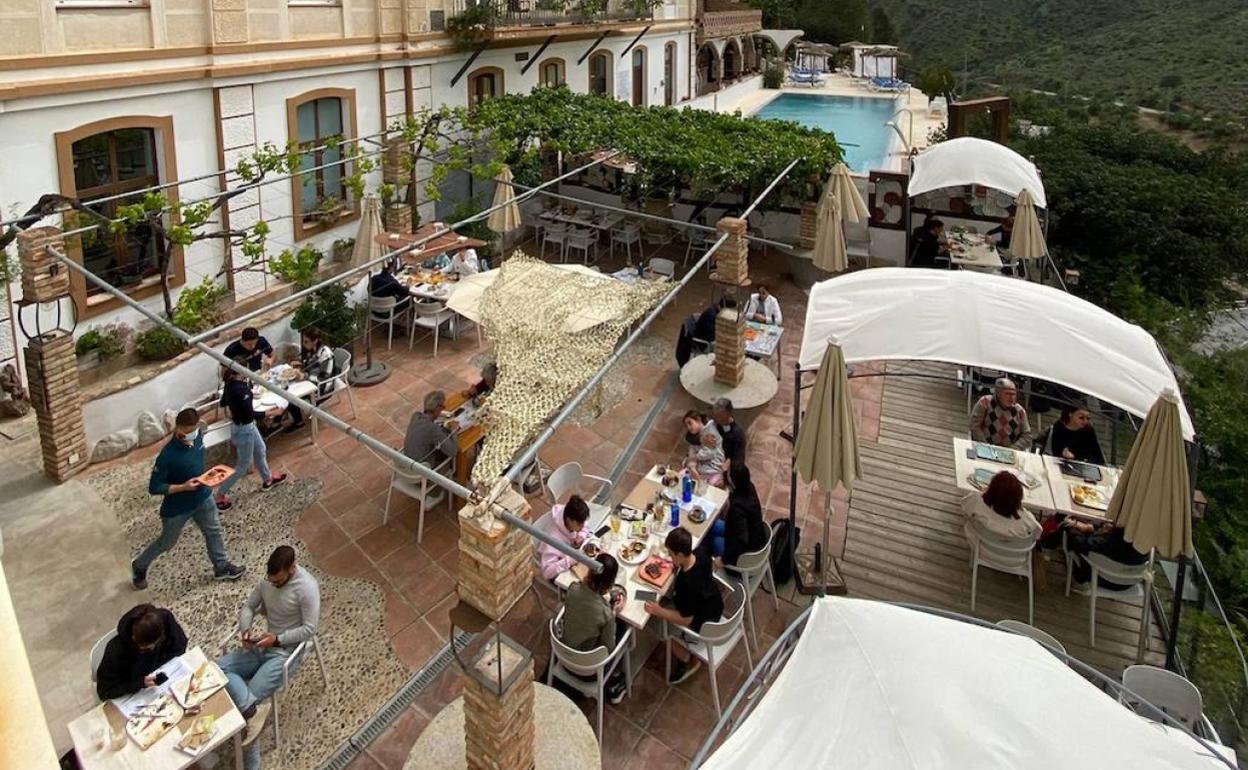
669 74
639 77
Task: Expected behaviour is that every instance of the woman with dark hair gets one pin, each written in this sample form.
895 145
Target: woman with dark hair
1074 438
567 524
999 510
316 364
589 617
743 529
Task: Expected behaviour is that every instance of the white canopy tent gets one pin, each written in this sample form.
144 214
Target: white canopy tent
969 161
993 322
872 685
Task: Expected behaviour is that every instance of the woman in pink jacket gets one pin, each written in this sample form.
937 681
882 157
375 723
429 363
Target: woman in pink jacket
567 523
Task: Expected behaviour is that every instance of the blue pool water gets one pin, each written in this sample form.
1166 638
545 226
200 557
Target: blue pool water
857 121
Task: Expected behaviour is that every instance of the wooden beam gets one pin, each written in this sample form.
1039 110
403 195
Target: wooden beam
468 63
591 48
537 55
630 45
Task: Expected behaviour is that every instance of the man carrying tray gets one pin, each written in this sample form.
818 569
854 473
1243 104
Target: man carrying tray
175 478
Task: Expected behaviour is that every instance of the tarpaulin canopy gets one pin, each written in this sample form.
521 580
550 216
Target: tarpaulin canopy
970 161
989 321
872 685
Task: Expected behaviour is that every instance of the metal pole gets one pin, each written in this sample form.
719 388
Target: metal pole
398 458
213 332
797 419
529 454
1172 645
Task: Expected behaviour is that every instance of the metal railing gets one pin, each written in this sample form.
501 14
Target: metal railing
494 14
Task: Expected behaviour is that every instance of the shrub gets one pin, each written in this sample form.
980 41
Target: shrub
90 340
298 268
773 77
331 311
158 344
109 341
196 309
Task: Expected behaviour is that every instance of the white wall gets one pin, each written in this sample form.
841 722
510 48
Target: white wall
730 98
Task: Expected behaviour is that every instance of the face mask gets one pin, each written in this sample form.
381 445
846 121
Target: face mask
189 439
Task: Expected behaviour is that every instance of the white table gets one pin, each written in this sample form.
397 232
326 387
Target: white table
974 252
163 754
1038 499
765 344
266 400
1060 489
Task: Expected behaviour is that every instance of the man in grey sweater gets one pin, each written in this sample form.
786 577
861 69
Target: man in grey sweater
291 600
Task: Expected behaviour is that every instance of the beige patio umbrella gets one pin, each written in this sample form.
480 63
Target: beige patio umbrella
826 452
831 252
1027 239
366 247
1153 500
851 206
507 218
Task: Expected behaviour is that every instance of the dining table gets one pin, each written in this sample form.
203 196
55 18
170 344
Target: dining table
266 400
590 221
1062 483
974 251
91 732
433 248
467 429
762 341
1030 468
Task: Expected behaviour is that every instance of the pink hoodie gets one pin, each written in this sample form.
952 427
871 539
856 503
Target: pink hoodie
552 561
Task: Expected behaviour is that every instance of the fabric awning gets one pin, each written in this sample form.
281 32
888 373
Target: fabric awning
874 686
990 321
970 161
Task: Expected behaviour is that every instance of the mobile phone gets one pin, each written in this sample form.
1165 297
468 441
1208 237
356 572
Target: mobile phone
160 678
646 596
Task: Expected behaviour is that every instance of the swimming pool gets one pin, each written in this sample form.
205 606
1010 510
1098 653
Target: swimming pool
857 121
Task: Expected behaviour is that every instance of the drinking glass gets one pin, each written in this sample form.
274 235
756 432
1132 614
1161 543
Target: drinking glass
615 527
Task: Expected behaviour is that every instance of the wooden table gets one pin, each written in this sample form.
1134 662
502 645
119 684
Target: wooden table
1037 500
163 754
432 249
466 439
977 253
1059 486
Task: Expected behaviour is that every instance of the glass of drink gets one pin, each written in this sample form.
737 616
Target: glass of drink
615 527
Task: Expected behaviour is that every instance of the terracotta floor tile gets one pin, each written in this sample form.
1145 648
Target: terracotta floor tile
439 618
445 688
440 537
360 519
364 762
340 501
619 737
652 754
416 644
349 561
399 614
319 532
392 747
425 589
681 723
406 561
383 541
648 691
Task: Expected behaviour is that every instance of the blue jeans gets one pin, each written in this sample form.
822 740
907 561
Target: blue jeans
205 517
252 674
716 534
248 448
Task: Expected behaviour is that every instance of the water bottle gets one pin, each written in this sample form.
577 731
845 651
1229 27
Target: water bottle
686 489
641 270
675 515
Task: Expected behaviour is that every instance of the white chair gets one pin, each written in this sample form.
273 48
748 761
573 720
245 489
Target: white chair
97 652
626 236
217 422
1043 637
569 665
432 316
338 385
1173 694
664 267
417 487
582 241
1139 581
569 479
753 569
557 234
697 242
292 662
1011 556
715 641
386 310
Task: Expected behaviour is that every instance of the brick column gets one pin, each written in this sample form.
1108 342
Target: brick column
495 559
732 261
809 228
499 728
730 346
43 278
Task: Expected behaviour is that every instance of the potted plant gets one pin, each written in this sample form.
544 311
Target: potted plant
329 211
342 249
87 349
101 344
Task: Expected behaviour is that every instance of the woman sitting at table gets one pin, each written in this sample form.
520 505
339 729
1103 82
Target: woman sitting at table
742 530
567 524
999 510
589 618
706 460
1074 438
316 364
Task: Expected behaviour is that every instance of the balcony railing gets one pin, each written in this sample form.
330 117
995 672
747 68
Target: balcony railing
729 23
501 14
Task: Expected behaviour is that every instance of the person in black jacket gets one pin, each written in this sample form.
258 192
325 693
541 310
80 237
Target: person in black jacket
147 638
384 284
1073 437
249 445
742 530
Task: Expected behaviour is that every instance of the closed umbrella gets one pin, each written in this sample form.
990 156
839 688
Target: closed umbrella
852 207
506 218
1027 239
826 452
831 253
1153 500
366 247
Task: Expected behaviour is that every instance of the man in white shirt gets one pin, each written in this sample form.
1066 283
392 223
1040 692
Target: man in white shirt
464 263
764 308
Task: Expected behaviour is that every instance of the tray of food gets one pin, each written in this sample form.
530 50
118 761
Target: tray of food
1089 497
215 475
200 734
656 571
633 551
150 723
751 334
200 685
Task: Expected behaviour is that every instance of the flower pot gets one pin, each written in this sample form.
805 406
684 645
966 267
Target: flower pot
89 360
342 252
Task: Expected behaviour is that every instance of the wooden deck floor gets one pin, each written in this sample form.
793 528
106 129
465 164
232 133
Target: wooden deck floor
904 540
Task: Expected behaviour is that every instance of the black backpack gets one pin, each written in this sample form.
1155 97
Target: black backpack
781 554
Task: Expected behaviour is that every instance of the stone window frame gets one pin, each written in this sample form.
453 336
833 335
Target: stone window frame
304 230
475 75
166 169
609 73
563 71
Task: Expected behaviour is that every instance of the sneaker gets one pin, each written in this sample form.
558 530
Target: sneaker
224 503
616 693
274 480
230 572
255 723
138 577
1083 589
683 671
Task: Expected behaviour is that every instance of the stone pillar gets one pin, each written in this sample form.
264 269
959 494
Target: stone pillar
395 165
730 346
809 228
498 727
495 559
43 278
732 261
397 218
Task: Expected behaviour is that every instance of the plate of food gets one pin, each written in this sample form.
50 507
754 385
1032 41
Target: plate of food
751 334
591 547
201 733
618 595
150 723
697 514
215 475
670 479
1089 497
200 685
633 551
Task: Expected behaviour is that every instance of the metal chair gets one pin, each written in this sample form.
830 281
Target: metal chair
1168 691
626 236
97 652
582 241
289 666
664 267
569 665
715 641
338 384
697 242
416 487
1139 581
1011 556
753 569
386 310
1022 629
432 316
569 479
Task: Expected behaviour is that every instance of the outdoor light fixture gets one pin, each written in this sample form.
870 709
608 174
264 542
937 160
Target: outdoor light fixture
492 659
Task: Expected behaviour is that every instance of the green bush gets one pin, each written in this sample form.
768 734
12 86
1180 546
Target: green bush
773 77
197 307
330 310
158 344
109 341
298 268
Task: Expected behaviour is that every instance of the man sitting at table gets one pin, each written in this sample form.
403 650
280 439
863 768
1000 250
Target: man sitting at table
147 638
930 244
426 440
251 346
763 308
463 263
384 284
291 600
695 598
726 423
1107 540
999 419
489 378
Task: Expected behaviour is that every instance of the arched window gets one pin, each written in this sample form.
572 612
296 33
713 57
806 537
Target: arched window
320 196
640 83
484 84
600 76
552 72
109 158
